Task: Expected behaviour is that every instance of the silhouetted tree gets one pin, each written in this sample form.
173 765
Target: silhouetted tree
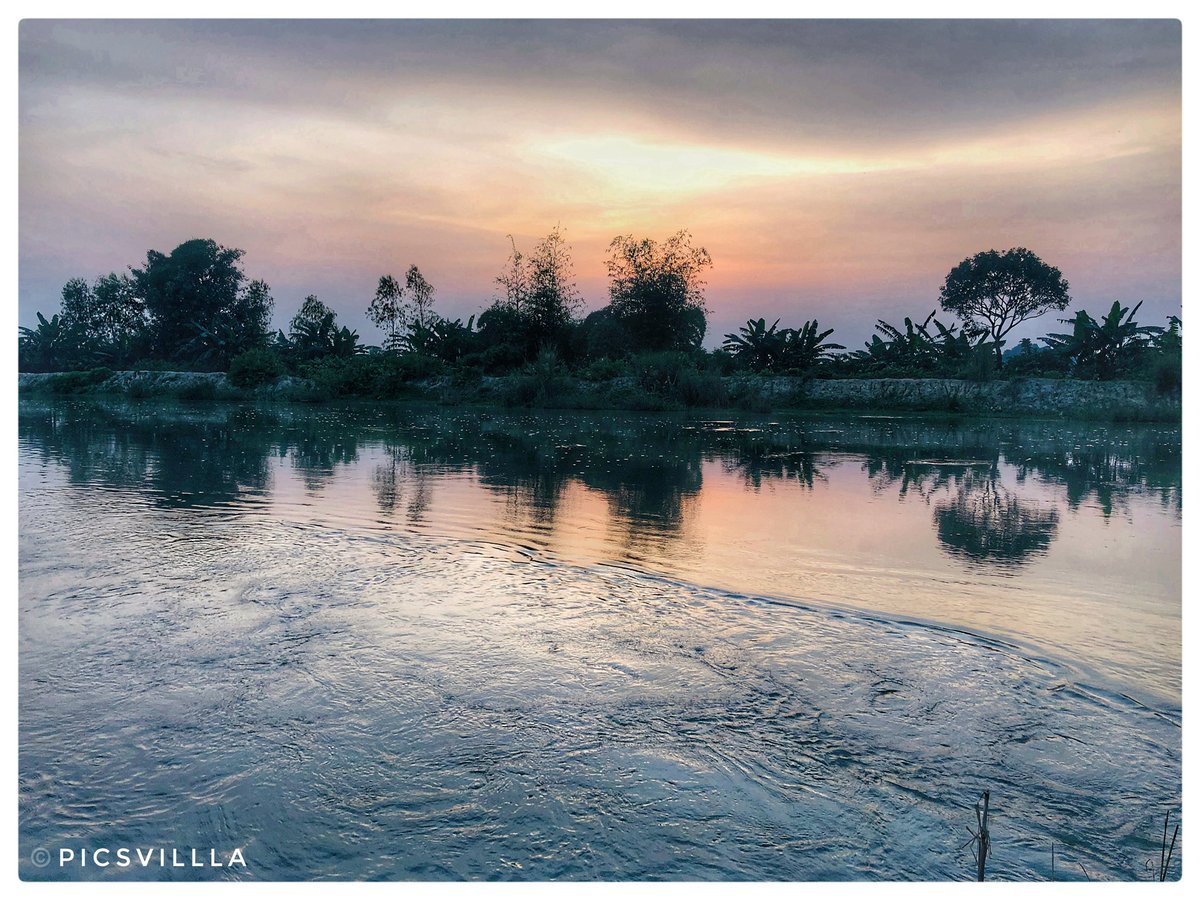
538 299
311 313
194 299
553 296
251 317
420 298
513 281
107 318
388 313
657 290
756 345
994 292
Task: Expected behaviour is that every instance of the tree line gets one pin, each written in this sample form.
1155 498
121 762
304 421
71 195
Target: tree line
195 309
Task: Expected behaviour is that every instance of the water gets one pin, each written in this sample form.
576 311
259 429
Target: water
415 643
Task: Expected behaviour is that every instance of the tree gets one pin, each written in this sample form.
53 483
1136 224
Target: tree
78 306
121 316
539 296
514 280
388 313
806 346
107 318
311 313
553 296
194 289
420 298
657 290
313 332
994 292
766 349
250 317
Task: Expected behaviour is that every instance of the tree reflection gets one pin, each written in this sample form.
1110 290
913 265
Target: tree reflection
986 523
988 484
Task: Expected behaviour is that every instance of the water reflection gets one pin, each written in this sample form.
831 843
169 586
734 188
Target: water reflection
986 484
986 523
403 627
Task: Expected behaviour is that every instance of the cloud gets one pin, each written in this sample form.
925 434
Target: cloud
831 167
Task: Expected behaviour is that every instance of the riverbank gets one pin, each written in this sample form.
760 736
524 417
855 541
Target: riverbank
1039 397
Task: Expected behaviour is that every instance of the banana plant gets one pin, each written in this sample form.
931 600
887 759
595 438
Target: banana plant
1102 348
759 347
804 348
48 346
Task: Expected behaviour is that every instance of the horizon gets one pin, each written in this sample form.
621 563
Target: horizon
834 170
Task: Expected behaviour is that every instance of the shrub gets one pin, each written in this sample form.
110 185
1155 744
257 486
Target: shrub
501 358
1167 373
254 368
417 366
602 370
354 376
75 382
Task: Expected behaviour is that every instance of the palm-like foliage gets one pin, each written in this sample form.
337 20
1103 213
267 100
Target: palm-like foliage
1103 348
764 348
345 343
47 347
805 347
313 338
446 339
758 346
916 347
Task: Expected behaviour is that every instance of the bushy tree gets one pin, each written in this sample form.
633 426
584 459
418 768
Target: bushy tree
195 301
538 299
553 296
995 292
315 333
657 290
311 314
107 318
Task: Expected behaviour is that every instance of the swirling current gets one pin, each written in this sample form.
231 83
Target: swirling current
218 649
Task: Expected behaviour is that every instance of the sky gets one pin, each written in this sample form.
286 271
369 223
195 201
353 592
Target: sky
834 170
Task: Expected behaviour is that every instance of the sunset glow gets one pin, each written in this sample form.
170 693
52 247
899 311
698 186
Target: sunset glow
837 185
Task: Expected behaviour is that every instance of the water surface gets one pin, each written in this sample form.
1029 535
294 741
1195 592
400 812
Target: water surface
411 642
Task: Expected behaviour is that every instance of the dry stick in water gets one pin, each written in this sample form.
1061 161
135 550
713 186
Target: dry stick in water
1164 856
981 817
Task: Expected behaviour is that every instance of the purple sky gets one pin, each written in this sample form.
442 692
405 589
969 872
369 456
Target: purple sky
834 170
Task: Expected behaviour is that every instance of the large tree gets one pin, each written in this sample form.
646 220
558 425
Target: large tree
107 317
194 296
387 311
657 290
536 304
420 298
994 292
310 316
553 296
